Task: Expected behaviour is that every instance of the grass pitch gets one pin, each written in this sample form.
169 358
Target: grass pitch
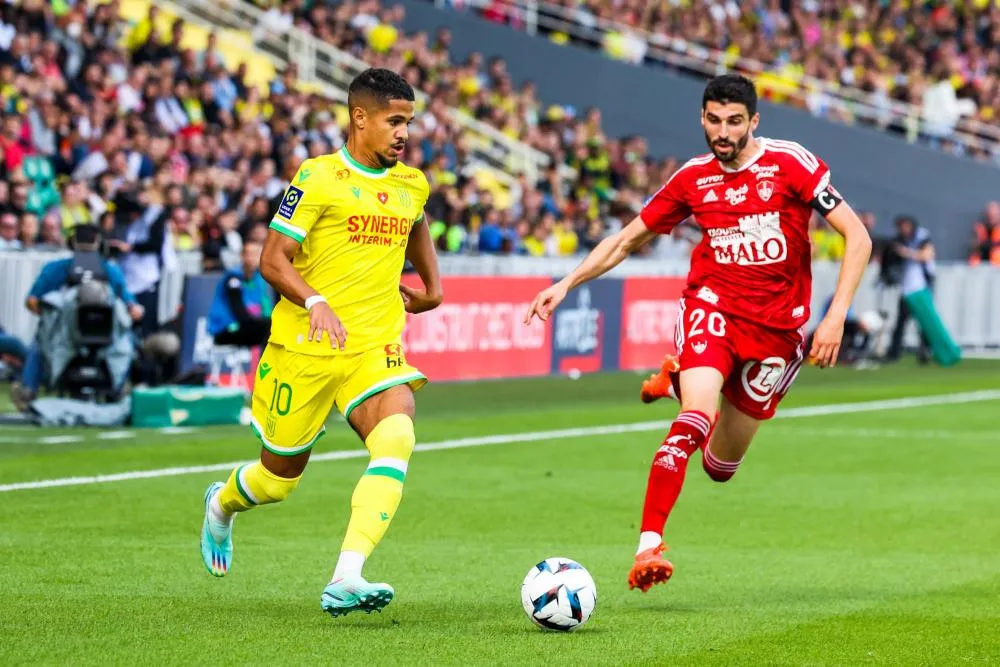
867 538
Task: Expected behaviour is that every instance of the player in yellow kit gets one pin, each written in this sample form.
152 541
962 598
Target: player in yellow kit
335 252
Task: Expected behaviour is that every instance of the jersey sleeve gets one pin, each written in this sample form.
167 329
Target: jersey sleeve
811 180
667 208
423 194
302 204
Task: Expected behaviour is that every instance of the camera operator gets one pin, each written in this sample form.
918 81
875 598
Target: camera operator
86 263
908 261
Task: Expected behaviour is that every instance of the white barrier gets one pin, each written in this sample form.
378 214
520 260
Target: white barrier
968 298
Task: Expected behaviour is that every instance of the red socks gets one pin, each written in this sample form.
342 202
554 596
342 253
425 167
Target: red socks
688 433
717 469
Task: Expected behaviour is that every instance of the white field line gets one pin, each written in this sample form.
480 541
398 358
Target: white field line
537 436
888 433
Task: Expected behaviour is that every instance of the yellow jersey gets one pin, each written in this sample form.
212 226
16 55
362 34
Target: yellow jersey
353 223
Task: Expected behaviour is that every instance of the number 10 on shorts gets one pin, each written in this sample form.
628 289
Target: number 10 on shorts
281 404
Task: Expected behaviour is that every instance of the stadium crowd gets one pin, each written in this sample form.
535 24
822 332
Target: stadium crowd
942 57
900 50
168 151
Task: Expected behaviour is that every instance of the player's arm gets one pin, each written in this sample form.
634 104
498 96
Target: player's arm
664 211
277 269
421 254
608 254
858 250
300 208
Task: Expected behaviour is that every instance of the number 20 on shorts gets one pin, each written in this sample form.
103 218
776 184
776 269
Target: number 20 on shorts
716 323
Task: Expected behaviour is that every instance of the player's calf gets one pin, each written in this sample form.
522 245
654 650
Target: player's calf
717 469
251 485
731 437
378 493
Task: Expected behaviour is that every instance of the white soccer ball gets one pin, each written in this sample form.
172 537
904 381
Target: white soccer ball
558 594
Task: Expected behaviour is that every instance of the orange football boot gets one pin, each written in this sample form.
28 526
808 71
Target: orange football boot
658 385
649 569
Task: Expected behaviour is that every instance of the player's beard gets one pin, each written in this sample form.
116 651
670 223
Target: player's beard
732 150
388 161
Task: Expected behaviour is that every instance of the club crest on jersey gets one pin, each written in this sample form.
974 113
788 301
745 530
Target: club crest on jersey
290 201
765 189
699 347
404 196
343 174
737 195
382 197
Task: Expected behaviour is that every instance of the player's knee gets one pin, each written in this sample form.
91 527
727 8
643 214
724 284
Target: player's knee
718 470
392 438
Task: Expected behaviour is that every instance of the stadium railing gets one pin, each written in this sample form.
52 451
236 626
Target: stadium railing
967 297
331 70
676 52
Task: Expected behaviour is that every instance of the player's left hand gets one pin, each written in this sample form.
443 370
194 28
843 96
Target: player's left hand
826 342
418 301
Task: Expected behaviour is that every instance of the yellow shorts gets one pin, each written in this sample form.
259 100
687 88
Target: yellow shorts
293 393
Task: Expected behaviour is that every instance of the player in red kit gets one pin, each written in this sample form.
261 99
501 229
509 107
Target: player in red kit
740 329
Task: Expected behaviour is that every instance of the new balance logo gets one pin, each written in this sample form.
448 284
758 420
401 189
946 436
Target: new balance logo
710 197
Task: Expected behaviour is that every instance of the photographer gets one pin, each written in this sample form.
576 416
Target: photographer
909 262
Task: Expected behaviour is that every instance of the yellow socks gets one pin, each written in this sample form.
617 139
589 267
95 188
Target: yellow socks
377 495
251 485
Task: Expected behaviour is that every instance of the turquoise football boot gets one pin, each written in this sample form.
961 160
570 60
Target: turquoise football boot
217 556
353 593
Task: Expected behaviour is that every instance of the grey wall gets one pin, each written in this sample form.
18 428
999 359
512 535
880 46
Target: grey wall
875 171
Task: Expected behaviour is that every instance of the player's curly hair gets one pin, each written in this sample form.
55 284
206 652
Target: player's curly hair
378 86
731 89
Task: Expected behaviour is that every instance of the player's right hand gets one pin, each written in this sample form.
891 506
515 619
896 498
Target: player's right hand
546 302
322 318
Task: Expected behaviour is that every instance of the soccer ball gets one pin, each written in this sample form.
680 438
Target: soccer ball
558 594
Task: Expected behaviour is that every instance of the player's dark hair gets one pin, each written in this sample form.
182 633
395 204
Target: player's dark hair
731 89
376 87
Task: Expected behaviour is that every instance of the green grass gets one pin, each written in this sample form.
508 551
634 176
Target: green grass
848 539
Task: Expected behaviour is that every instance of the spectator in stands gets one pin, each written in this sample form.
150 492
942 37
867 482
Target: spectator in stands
51 237
29 231
143 250
914 246
9 232
986 237
241 311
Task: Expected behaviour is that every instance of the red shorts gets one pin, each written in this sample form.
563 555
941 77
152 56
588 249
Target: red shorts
758 364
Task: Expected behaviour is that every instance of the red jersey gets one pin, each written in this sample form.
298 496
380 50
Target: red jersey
754 260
